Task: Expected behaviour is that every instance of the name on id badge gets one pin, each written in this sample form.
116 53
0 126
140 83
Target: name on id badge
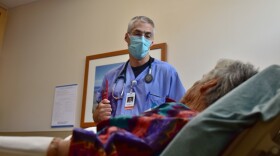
130 99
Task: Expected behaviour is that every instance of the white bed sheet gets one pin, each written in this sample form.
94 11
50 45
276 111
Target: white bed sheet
24 146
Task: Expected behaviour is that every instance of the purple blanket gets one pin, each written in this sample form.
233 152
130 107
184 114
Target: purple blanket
147 134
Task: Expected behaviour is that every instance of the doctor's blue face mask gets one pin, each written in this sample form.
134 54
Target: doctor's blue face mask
139 46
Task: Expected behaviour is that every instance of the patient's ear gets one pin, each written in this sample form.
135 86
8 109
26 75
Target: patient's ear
209 84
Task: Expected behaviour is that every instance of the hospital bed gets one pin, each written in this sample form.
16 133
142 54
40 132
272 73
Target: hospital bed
246 121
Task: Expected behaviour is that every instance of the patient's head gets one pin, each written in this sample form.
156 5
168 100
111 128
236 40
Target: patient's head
226 75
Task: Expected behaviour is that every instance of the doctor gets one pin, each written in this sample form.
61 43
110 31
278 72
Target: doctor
145 80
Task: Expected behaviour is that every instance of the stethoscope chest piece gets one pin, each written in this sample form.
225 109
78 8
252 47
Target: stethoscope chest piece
148 78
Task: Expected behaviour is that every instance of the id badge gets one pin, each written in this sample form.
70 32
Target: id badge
129 101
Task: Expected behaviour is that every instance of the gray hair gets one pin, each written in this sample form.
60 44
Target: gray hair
230 74
135 19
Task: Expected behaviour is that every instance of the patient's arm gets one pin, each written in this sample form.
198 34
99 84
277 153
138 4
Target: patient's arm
58 147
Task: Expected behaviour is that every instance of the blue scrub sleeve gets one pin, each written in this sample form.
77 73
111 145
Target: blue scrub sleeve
177 90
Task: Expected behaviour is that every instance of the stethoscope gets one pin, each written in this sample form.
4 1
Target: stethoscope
122 75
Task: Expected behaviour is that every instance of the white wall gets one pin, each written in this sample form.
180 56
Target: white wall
46 43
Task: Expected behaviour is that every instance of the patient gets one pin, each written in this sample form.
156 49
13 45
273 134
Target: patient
149 133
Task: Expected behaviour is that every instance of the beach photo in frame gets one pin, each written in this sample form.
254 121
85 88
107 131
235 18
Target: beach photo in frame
95 68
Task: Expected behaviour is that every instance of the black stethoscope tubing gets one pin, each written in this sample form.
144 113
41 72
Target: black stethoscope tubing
122 75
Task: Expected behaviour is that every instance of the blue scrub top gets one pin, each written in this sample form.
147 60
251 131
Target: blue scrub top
165 84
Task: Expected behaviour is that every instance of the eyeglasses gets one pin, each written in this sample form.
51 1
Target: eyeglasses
147 35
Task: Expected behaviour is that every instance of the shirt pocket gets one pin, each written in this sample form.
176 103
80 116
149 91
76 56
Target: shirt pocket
155 100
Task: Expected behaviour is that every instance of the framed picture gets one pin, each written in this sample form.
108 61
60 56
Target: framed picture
95 69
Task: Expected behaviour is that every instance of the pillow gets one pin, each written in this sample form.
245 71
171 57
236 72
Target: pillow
214 128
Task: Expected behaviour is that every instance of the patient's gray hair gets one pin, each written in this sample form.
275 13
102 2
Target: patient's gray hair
135 19
230 74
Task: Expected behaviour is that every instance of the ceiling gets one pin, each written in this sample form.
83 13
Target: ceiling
14 3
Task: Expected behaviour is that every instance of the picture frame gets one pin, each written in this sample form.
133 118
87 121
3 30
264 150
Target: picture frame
95 68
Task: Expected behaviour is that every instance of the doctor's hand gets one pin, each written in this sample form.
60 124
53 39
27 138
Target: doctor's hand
102 111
